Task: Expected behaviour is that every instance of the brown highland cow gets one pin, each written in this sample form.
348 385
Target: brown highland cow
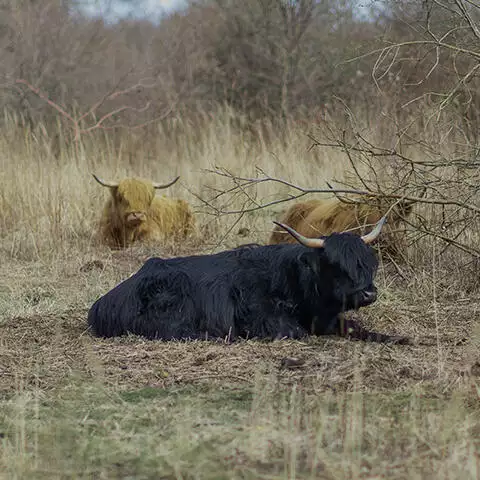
133 213
319 217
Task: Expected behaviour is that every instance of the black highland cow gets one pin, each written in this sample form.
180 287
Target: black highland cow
271 291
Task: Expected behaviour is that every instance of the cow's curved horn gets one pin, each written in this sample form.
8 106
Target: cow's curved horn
105 183
370 237
307 242
166 185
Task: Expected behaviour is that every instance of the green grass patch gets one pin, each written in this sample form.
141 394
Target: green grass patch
86 431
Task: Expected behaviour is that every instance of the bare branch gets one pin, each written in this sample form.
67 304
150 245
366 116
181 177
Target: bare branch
43 96
304 191
469 19
76 121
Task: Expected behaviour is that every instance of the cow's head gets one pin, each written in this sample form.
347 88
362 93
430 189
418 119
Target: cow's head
132 197
343 265
395 234
372 209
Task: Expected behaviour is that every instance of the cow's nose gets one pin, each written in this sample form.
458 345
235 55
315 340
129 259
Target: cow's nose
369 296
135 218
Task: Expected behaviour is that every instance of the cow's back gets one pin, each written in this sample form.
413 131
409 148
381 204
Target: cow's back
157 302
109 315
293 217
172 217
336 216
322 217
181 297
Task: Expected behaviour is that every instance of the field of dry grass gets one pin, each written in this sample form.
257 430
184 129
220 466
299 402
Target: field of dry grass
74 406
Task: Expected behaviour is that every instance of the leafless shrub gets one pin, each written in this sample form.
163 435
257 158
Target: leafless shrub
270 60
84 123
429 158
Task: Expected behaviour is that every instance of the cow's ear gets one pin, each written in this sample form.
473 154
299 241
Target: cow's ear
116 196
309 261
113 191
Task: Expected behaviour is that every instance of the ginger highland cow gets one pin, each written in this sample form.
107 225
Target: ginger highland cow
322 217
133 213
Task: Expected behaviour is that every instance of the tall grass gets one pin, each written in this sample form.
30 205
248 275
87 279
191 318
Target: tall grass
48 197
49 202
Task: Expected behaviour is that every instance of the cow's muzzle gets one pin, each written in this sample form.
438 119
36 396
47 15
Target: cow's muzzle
135 218
367 297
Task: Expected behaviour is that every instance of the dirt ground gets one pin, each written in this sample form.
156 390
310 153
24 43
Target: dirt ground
47 346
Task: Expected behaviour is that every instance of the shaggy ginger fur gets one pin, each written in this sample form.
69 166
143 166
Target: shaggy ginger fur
134 214
319 217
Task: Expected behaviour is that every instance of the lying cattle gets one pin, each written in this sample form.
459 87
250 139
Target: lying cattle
319 217
270 291
133 213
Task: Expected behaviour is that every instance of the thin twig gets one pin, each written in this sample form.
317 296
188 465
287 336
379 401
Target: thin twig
409 198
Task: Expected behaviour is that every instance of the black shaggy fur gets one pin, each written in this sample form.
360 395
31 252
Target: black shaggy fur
269 292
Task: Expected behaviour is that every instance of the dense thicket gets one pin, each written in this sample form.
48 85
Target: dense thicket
262 57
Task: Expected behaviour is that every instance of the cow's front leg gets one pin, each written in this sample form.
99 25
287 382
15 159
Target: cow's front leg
351 329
